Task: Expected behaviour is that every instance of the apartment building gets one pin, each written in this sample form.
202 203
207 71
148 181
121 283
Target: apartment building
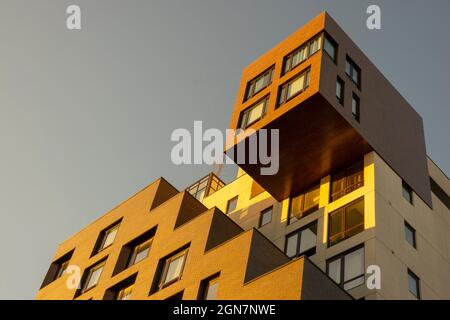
355 191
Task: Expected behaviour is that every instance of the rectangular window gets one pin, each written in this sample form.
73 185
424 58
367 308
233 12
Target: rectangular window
407 192
259 83
414 284
232 204
266 217
106 237
208 288
347 181
62 268
57 269
330 47
301 54
253 114
125 293
294 87
172 268
304 204
302 242
355 107
93 276
353 71
347 269
340 89
410 235
346 222
140 252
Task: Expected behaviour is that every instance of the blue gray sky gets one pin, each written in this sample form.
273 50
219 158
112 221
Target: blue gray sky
86 116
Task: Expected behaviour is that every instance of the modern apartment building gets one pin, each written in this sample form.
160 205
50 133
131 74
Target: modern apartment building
355 192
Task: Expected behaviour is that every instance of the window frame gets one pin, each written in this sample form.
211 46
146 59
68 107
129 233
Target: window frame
261 215
101 239
250 87
409 228
243 116
407 188
147 244
357 112
344 231
347 175
287 60
282 97
308 211
228 204
416 279
341 82
341 257
123 290
352 67
162 283
333 43
205 284
88 275
298 233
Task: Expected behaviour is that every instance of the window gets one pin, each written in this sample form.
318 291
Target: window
414 284
106 237
253 114
62 269
347 269
346 222
353 71
301 54
266 217
347 181
302 242
93 276
294 87
407 192
410 235
304 204
232 204
172 268
140 252
259 83
208 288
340 85
57 269
125 293
330 47
355 107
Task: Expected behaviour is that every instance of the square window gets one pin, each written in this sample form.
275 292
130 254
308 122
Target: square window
266 217
140 252
410 235
348 268
346 222
302 241
93 276
106 238
232 204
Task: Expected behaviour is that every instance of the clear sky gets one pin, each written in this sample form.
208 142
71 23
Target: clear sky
86 116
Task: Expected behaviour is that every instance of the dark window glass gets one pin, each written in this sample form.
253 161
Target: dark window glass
355 107
266 217
330 47
410 235
259 83
347 181
407 192
304 204
340 89
346 222
253 114
348 269
232 204
414 284
353 71
302 241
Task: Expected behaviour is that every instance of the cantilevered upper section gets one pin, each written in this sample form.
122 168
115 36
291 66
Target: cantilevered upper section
331 105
